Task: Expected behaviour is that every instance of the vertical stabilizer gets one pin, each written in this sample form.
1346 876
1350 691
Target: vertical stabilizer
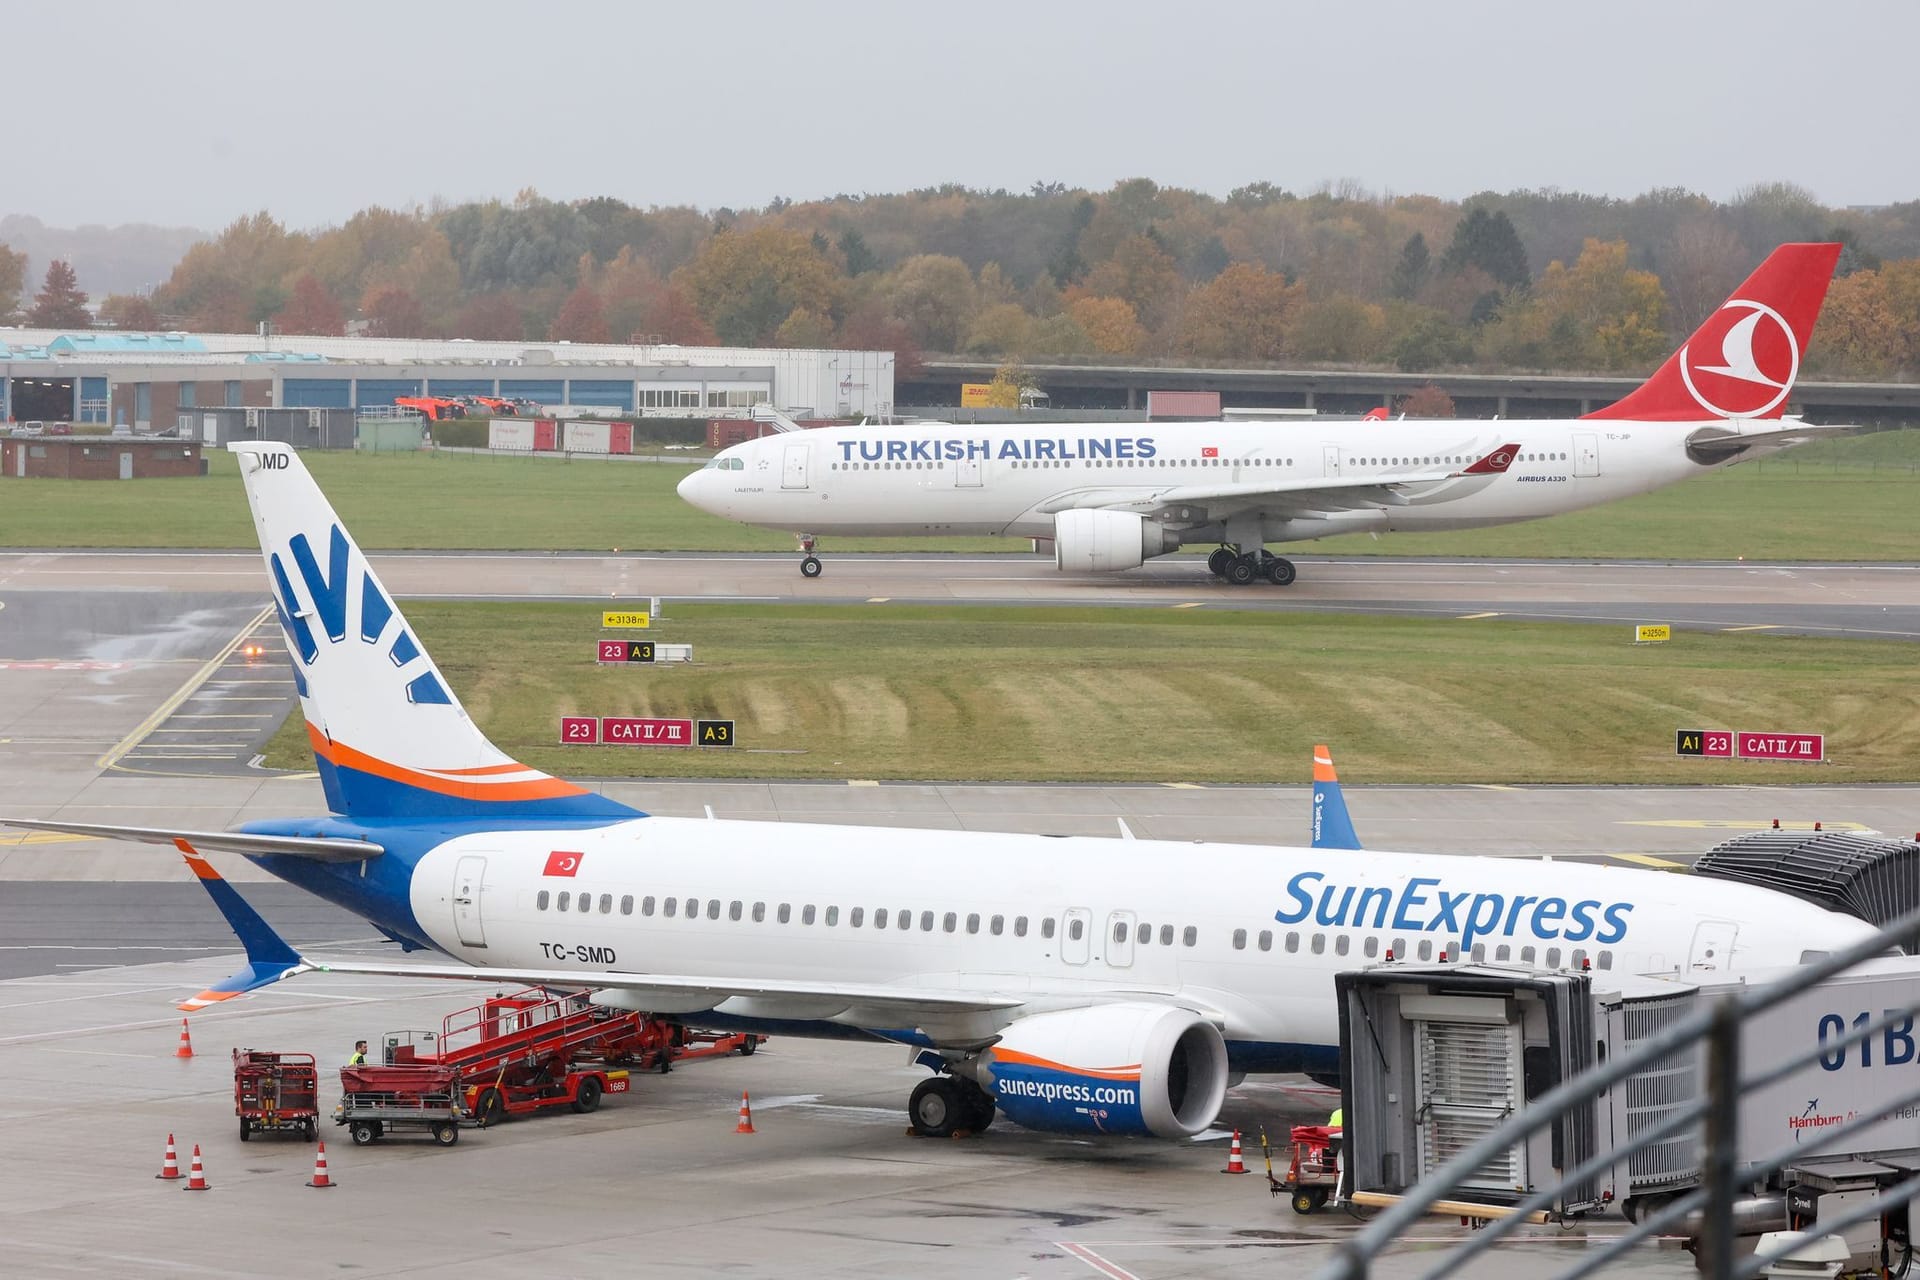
389 737
1332 828
1742 360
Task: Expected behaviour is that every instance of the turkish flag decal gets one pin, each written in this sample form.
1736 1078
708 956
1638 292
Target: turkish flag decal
562 863
1209 452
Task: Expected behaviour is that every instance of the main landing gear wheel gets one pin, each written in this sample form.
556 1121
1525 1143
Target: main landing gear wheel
936 1107
810 567
1217 562
1242 570
1280 572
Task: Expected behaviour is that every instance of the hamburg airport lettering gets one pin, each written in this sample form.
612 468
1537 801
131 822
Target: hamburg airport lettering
1028 450
1466 914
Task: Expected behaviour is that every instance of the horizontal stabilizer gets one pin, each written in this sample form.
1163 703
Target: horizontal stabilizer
1732 440
315 848
269 957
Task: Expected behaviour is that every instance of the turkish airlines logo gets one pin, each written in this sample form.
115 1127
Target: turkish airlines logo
1759 358
1209 452
1502 460
562 863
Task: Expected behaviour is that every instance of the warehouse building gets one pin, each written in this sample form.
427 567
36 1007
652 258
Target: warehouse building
147 381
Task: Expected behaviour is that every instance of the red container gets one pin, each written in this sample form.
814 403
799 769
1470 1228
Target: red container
546 435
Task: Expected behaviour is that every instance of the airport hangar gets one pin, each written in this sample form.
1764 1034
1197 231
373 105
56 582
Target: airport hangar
144 380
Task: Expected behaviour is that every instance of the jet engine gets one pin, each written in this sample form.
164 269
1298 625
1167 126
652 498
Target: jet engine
1114 1068
1107 540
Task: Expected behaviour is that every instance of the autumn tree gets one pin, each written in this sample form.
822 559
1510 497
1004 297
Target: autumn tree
859 259
1338 329
804 329
932 295
675 319
630 288
581 318
1410 271
1058 335
310 310
393 312
1870 322
489 317
13 279
999 330
1142 274
1429 401
1009 380
1597 314
129 311
229 283
747 283
1110 324
1244 313
60 304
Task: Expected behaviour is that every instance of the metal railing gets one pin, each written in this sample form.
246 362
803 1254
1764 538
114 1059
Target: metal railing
1718 1024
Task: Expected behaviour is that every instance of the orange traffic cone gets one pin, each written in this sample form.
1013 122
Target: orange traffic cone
746 1115
196 1177
1234 1163
320 1178
186 1042
170 1167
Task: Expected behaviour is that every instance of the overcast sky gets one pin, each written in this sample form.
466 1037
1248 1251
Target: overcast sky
197 113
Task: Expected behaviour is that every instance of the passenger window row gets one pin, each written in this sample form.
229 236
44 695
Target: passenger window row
783 913
1341 943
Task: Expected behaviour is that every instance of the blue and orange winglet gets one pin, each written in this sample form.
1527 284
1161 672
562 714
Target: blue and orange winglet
269 957
1332 828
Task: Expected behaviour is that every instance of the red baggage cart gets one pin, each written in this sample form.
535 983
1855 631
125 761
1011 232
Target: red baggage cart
276 1093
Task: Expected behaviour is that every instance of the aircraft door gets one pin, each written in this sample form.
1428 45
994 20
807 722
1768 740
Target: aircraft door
1331 466
1076 935
794 474
469 877
1712 947
1586 455
966 474
1120 939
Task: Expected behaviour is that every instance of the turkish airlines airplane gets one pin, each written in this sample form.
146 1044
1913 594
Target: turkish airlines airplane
1076 985
1111 496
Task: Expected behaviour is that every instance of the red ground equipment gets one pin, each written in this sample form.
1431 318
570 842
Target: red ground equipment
436 408
275 1093
1314 1172
376 1101
539 1048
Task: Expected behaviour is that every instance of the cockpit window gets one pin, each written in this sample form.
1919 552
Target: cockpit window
725 464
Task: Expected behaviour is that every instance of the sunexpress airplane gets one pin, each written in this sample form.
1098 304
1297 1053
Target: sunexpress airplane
1113 496
1077 985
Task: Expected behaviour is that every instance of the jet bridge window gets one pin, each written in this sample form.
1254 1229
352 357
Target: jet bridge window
626 904
540 903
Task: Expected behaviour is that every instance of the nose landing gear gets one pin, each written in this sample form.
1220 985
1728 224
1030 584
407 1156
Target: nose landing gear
810 564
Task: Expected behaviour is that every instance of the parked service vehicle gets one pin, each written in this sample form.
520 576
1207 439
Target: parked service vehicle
276 1093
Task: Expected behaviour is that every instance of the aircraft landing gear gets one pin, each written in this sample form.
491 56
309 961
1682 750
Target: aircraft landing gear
945 1105
1241 570
810 564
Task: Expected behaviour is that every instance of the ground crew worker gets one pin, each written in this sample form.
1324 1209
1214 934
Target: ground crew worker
1338 1120
359 1058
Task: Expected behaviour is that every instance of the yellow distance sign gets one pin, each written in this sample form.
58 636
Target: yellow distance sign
622 621
976 395
1653 633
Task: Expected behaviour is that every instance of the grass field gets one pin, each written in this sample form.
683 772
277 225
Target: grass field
1850 500
889 691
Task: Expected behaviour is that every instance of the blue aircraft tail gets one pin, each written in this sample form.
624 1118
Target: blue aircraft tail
1332 828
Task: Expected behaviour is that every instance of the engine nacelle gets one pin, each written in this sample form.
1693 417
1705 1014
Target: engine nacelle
1114 1068
1103 541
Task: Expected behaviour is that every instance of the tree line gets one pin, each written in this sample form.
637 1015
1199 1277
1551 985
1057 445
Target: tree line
1524 280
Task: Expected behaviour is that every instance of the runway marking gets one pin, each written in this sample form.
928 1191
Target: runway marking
862 782
1758 626
1095 1261
1183 786
1739 824
1191 604
1649 860
180 695
42 837
1491 786
1472 617
878 599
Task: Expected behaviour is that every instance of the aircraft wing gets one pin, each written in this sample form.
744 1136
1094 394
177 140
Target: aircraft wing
1306 497
314 848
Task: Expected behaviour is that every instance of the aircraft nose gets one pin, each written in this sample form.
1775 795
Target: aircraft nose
689 489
